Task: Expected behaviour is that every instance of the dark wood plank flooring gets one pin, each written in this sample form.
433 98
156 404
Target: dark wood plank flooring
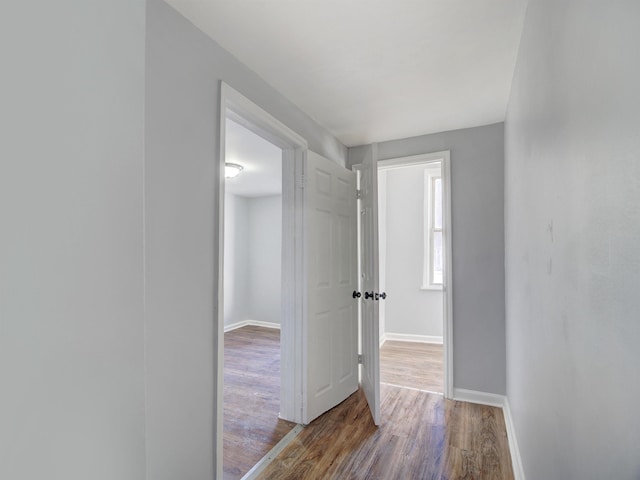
251 398
422 435
411 364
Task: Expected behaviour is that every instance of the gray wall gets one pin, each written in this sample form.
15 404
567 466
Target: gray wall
265 258
236 259
408 309
71 241
253 259
572 214
184 68
477 168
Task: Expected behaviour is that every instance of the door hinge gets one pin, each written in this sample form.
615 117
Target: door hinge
302 183
358 194
360 359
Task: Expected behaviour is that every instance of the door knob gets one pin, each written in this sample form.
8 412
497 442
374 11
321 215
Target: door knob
368 295
356 294
383 295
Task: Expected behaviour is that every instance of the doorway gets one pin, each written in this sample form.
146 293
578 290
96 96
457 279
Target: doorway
421 324
319 274
235 109
411 273
252 299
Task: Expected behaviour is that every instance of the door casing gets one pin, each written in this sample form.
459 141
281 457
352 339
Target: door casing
444 157
236 106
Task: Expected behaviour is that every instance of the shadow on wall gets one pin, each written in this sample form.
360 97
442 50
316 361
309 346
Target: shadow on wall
253 259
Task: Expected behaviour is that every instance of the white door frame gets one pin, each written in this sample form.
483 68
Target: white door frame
236 106
444 158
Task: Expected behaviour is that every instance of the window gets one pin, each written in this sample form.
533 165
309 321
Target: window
433 236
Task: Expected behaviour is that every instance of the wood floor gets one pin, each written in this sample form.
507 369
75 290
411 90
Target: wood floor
422 435
251 398
410 364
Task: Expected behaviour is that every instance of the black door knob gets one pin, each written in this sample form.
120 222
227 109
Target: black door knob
383 295
368 295
356 294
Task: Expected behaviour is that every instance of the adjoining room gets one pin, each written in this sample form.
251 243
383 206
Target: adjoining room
252 300
410 220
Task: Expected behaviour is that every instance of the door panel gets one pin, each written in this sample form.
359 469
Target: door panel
370 281
331 341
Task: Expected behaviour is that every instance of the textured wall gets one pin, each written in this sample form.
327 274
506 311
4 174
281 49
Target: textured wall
572 214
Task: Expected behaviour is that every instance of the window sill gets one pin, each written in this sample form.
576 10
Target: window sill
431 287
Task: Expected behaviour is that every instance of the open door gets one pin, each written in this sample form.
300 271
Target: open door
369 281
330 239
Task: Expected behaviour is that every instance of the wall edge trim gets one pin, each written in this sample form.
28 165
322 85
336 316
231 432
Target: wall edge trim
516 459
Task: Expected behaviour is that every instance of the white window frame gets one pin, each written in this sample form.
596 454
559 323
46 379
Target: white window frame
430 175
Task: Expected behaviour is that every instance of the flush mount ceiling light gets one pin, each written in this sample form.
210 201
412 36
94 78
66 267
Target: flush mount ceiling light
232 169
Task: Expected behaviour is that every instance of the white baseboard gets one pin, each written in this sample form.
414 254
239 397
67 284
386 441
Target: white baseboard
264 462
254 323
483 398
500 401
516 460
406 337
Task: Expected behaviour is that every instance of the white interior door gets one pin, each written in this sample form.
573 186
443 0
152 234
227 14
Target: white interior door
369 282
331 334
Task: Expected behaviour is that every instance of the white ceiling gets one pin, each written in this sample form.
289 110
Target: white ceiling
375 70
262 162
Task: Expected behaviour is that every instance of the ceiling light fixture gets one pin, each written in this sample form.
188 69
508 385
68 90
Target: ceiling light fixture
232 169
